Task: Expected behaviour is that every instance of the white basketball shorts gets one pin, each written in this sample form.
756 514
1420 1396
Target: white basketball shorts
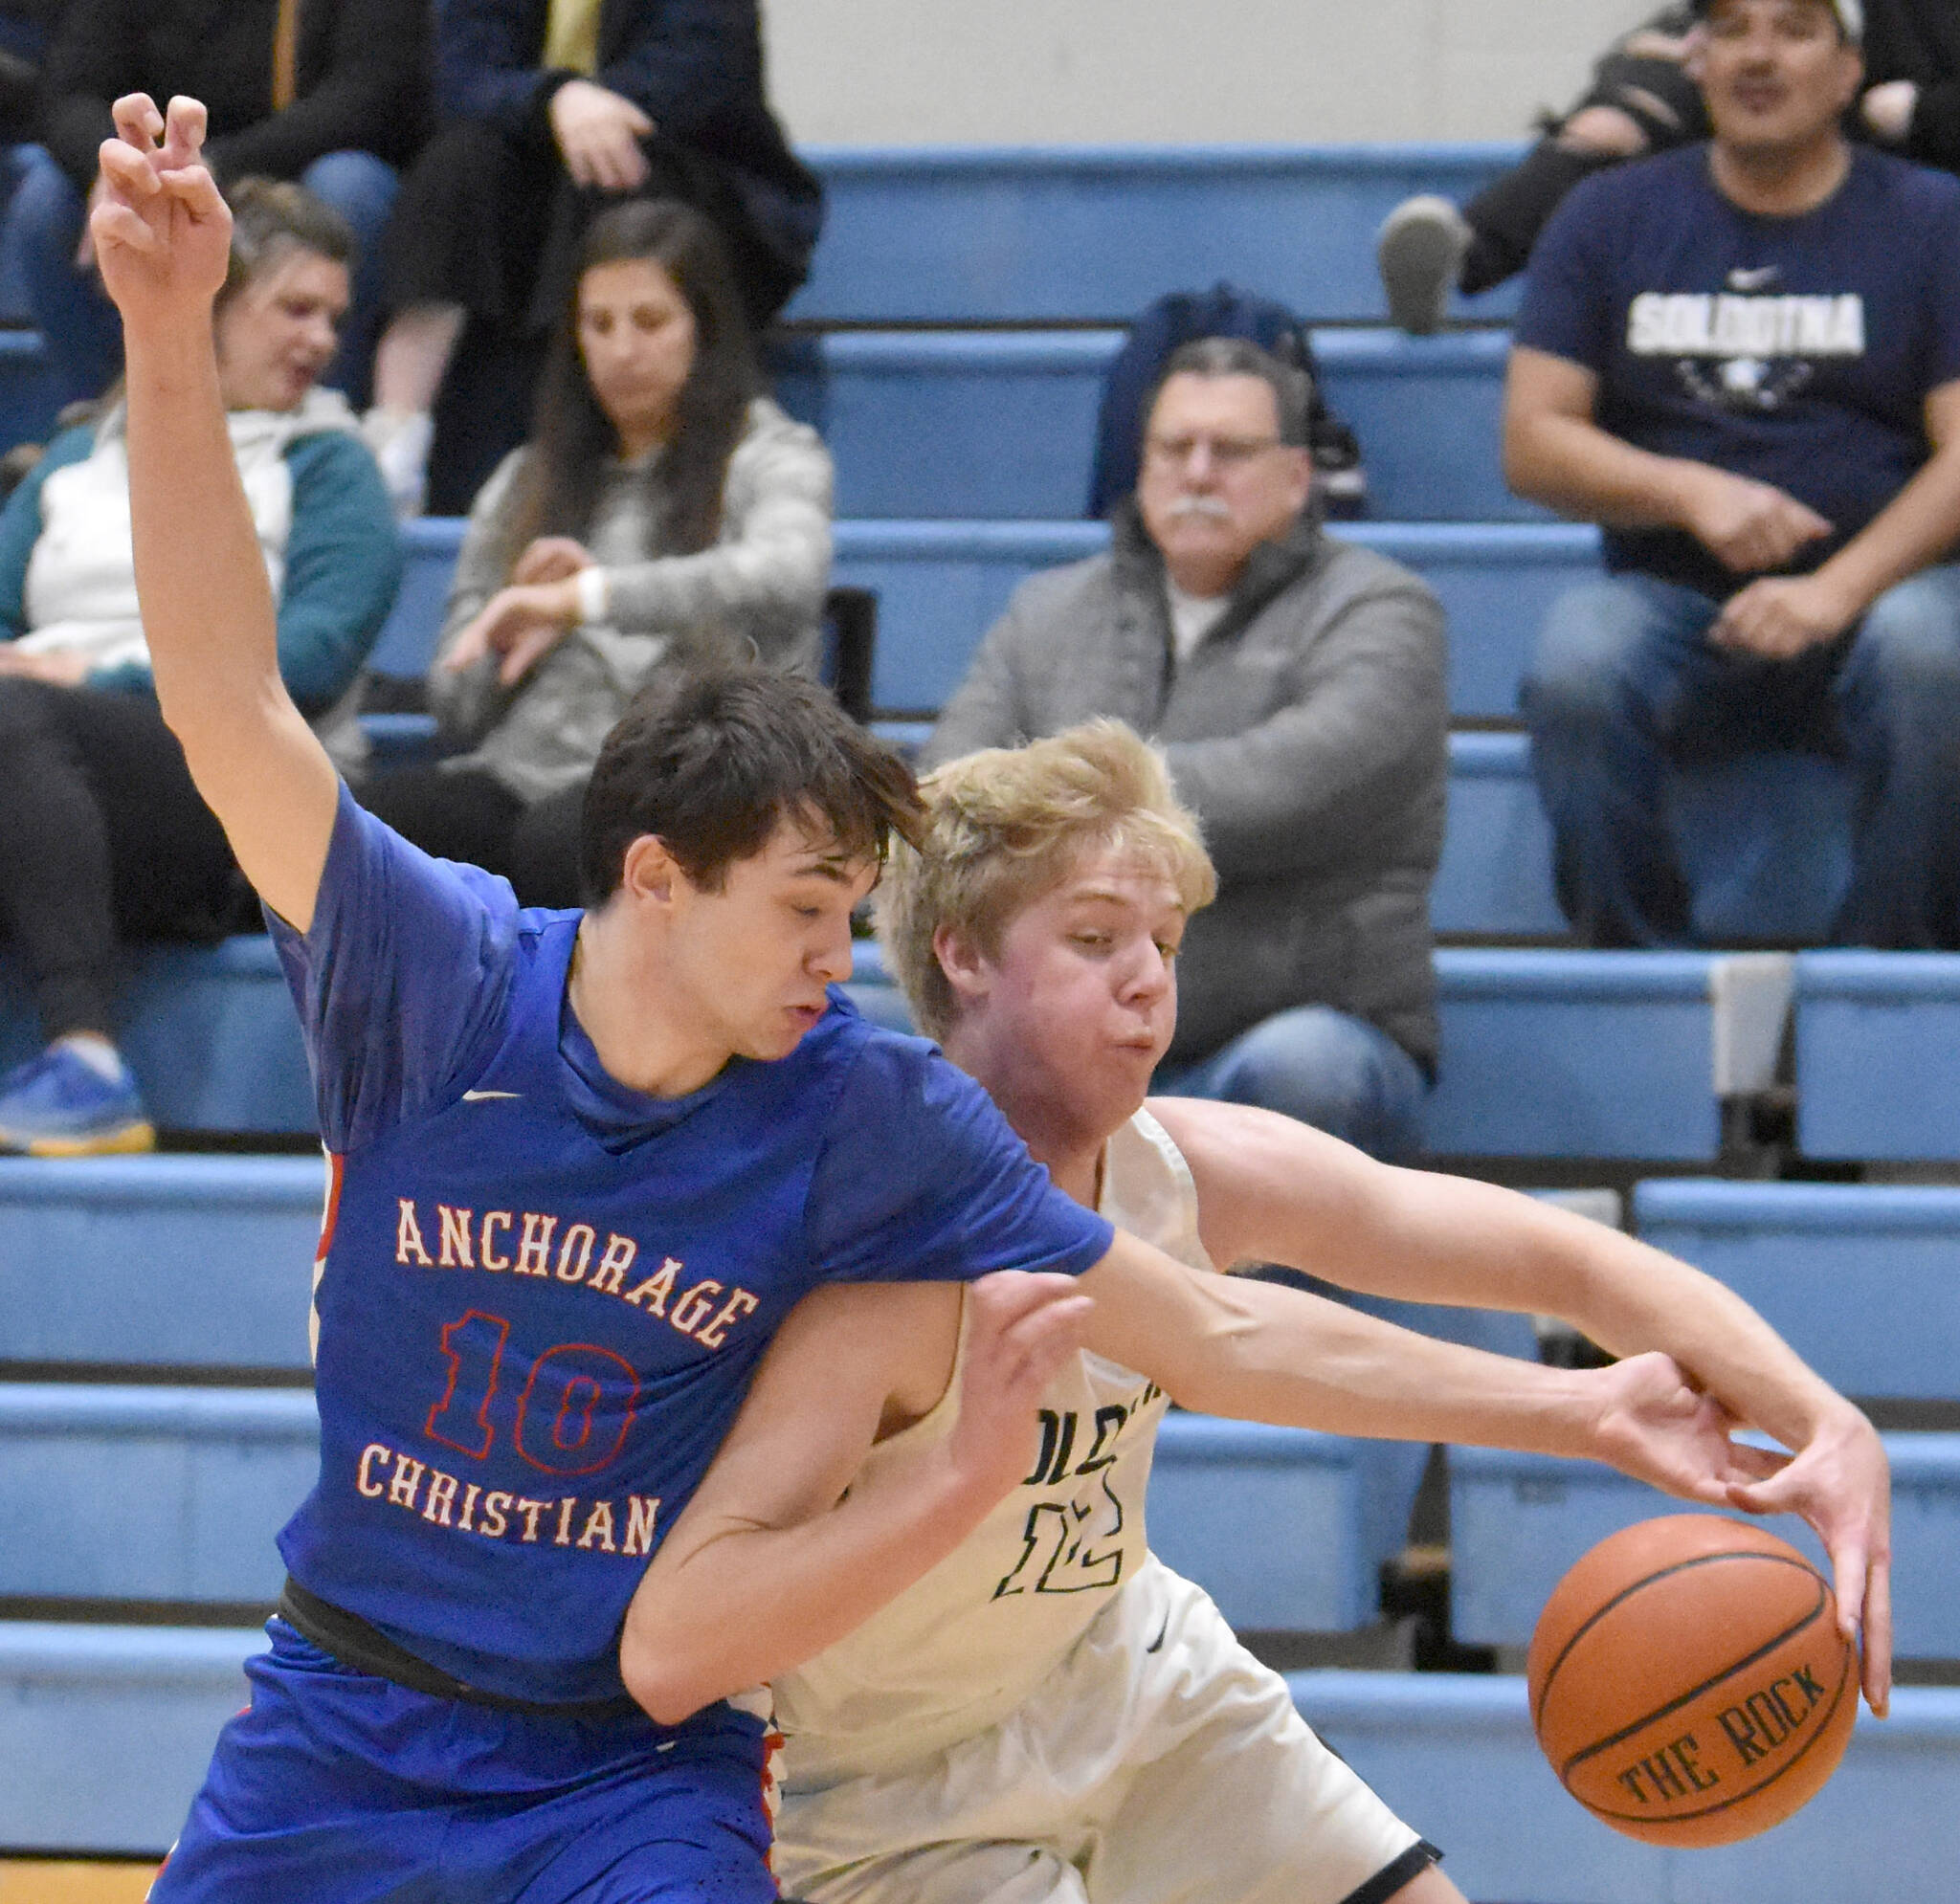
1160 1765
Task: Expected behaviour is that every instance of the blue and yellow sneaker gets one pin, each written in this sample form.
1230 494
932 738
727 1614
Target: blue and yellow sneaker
61 1105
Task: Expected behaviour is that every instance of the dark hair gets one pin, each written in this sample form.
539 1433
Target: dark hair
1238 356
272 218
572 441
711 761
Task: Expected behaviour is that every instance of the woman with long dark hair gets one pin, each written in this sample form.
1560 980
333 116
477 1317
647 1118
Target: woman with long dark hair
663 511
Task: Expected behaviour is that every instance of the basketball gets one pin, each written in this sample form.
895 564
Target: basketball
1689 1682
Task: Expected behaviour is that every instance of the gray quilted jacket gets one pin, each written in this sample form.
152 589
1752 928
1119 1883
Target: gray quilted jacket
1309 732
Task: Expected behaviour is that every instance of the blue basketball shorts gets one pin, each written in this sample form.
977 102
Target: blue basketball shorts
337 1787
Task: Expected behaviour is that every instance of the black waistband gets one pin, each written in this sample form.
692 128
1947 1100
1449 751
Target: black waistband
367 1648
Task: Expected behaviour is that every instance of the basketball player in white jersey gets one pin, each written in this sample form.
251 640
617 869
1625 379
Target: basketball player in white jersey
1050 1716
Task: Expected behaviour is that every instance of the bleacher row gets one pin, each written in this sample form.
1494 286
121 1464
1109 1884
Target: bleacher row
155 1428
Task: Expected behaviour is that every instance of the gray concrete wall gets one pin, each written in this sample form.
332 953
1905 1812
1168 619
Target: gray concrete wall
1153 71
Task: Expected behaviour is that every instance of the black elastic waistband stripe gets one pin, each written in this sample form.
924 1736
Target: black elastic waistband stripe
367 1648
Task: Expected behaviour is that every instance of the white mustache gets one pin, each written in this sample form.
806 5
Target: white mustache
1211 506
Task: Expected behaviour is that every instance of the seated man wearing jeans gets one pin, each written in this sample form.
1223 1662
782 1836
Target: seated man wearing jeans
1743 358
1296 685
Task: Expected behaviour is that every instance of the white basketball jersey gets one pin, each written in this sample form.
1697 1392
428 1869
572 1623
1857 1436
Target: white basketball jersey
969 1643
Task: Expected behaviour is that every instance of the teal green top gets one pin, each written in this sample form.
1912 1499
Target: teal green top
343 564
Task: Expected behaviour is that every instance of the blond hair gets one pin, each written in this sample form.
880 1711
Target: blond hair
1005 826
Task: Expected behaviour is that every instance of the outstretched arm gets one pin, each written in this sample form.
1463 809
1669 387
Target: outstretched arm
772 1562
1273 1190
162 239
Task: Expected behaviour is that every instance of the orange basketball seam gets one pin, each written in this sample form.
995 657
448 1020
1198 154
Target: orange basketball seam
1626 1593
1754 1791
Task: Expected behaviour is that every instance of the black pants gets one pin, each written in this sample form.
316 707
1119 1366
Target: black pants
102 836
467 814
1506 217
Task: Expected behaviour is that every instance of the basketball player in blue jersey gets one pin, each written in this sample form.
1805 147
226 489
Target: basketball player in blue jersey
1050 1716
581 1168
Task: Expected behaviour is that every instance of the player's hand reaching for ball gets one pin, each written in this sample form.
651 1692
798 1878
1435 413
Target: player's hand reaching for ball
1654 1424
163 233
1841 1483
1020 1329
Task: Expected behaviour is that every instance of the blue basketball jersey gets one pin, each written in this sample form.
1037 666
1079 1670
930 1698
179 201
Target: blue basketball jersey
541 1295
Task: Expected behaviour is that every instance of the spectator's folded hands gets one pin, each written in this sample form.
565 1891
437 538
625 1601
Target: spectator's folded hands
598 133
1841 1484
1778 618
1748 526
521 625
162 235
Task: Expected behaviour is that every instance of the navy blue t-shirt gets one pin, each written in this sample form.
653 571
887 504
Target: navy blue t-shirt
1797 350
543 1294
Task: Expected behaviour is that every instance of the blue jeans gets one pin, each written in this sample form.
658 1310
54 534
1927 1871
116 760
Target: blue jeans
1338 1073
80 332
1625 683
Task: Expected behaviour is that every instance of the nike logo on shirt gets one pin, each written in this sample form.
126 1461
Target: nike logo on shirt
1754 280
485 1097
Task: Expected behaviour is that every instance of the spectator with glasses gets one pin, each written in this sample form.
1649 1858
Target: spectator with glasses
1296 684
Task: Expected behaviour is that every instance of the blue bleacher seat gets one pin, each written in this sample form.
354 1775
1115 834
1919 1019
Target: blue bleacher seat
955 424
1878 1056
1428 412
1495 878
150 1493
1286 1530
1518 1521
406 645
170 1261
106 1731
208 1030
1496 581
1600 1053
1092 234
1455 1756
1862 1280
940 586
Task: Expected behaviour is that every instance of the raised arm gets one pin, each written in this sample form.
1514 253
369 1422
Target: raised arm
772 1550
1273 1190
163 238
